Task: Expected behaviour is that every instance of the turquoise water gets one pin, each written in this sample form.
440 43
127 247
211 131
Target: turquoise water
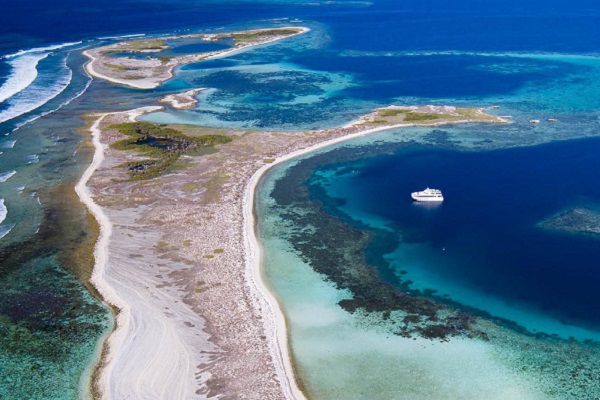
536 60
361 286
179 47
471 299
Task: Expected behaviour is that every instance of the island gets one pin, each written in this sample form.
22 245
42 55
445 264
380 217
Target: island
117 62
177 257
176 206
182 101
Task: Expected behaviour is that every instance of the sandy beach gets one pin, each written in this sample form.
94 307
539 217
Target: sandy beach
193 307
92 69
151 72
140 336
182 101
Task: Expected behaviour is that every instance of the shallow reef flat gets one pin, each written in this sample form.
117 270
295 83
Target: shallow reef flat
577 220
353 333
175 201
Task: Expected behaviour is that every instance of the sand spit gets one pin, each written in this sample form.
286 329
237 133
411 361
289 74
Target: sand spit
150 72
179 257
153 351
182 101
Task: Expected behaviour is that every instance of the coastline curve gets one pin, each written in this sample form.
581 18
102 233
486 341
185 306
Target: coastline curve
264 299
113 340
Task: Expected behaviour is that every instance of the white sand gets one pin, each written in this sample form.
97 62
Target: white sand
152 82
148 83
158 344
237 50
273 317
182 101
158 341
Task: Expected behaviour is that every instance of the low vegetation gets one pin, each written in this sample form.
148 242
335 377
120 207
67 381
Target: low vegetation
398 115
161 144
243 38
146 45
120 68
418 117
391 112
190 187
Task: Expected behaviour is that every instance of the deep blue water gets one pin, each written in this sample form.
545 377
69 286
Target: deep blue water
195 46
354 59
382 25
485 235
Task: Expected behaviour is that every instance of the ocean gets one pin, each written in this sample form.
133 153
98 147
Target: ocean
486 258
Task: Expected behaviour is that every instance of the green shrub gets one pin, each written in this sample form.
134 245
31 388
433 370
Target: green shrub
163 146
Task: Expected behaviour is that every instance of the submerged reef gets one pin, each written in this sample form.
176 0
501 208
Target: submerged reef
349 255
333 247
577 220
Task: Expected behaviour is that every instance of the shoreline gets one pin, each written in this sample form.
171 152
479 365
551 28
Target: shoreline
112 340
153 82
89 69
280 344
114 276
182 100
100 255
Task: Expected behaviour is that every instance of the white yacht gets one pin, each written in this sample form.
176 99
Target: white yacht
428 195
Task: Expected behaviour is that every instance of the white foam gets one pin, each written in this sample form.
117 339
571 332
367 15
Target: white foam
33 159
42 90
42 49
23 73
6 176
122 36
8 145
87 85
4 230
3 211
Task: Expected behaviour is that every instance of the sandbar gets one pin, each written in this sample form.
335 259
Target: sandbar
182 101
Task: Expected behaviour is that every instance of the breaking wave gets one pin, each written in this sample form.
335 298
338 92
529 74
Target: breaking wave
42 49
3 211
27 86
8 144
43 89
23 73
6 176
